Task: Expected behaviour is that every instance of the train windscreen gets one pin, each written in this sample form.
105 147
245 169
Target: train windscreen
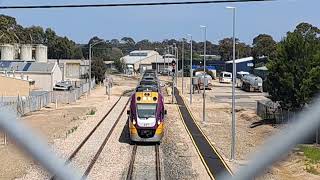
146 110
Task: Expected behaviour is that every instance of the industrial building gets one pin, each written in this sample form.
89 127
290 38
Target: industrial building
24 52
243 64
16 86
164 62
45 75
72 69
142 59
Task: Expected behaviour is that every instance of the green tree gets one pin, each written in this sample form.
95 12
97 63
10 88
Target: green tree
294 72
98 69
120 64
226 48
263 45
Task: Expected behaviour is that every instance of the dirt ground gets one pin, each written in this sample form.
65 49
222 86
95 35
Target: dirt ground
250 130
179 157
53 124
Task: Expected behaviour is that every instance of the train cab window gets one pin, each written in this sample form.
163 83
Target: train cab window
146 110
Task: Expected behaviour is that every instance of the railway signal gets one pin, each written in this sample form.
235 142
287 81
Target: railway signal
173 64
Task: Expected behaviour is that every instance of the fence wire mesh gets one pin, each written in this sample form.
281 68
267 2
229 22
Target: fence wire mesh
23 105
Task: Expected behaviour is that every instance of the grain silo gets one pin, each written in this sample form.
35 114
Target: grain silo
7 52
41 53
26 52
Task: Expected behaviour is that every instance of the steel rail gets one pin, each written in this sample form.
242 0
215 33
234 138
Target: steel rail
131 165
133 157
95 158
75 152
158 167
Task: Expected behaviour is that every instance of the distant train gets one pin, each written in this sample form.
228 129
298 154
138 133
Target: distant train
147 113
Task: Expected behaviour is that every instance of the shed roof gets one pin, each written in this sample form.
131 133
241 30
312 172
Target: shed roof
38 67
240 60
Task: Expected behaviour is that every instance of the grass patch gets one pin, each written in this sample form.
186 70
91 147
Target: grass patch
312 155
73 129
92 112
311 152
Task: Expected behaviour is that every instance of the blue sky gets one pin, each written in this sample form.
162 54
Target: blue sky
158 23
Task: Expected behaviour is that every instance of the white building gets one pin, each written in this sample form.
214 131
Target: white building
142 59
72 69
45 75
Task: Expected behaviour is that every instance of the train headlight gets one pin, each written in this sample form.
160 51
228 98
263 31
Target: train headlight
159 122
134 122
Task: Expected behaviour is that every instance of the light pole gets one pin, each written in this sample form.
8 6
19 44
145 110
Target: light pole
204 73
90 54
233 124
191 71
182 64
177 63
156 61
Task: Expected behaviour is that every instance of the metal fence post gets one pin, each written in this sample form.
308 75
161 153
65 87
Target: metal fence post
5 138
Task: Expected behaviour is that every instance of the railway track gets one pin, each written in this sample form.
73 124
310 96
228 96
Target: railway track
101 147
133 160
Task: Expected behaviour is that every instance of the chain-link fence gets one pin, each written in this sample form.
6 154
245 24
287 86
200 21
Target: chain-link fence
24 105
269 110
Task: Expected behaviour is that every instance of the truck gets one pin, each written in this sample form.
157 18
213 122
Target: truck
251 83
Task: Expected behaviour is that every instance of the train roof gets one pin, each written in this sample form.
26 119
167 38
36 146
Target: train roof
147 88
148 82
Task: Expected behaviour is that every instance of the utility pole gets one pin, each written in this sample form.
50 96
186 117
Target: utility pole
90 54
90 68
156 61
233 124
204 74
191 71
182 64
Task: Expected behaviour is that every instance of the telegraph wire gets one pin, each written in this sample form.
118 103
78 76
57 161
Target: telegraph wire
128 4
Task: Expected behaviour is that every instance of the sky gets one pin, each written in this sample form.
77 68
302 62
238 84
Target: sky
165 22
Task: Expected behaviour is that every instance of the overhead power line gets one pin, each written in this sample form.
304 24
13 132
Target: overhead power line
128 4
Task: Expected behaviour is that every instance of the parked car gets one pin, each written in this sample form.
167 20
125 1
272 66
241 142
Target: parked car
63 86
225 77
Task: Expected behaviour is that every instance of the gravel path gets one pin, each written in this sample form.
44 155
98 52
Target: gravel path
64 147
114 159
145 164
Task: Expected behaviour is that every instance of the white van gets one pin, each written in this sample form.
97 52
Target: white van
225 77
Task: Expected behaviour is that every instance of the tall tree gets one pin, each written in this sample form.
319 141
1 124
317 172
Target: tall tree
263 45
294 72
98 70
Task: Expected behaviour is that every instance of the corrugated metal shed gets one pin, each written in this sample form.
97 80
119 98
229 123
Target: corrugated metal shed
26 66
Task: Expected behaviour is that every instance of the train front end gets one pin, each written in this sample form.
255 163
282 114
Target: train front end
146 117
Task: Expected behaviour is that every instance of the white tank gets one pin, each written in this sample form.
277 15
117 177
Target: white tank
7 52
41 53
26 52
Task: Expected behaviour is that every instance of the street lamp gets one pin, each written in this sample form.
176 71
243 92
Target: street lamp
191 71
177 63
233 124
90 54
182 64
204 73
156 61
